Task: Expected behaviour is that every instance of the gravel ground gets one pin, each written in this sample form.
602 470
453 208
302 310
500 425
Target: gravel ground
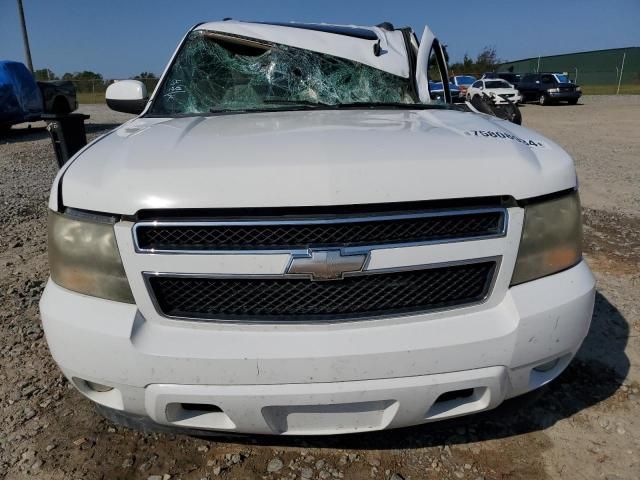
584 425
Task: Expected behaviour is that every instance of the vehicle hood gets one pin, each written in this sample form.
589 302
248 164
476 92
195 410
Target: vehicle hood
303 158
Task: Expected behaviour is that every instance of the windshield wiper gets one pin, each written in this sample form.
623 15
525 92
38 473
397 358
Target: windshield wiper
287 101
399 105
296 104
306 104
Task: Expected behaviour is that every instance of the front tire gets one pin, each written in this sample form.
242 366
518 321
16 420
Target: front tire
543 99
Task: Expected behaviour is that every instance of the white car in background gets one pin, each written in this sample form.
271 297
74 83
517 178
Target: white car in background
499 89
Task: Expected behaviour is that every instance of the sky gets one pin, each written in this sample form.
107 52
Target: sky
121 38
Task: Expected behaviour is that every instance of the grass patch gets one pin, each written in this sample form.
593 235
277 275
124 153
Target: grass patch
89 97
631 89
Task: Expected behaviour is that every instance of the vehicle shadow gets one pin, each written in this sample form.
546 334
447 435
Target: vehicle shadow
595 375
38 131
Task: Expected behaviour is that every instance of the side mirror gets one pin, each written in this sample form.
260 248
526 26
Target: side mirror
128 96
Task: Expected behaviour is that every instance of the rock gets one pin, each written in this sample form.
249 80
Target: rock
353 457
128 462
35 467
467 466
274 465
236 458
217 470
79 441
306 473
319 464
166 476
203 448
397 476
154 477
324 474
458 474
50 447
374 462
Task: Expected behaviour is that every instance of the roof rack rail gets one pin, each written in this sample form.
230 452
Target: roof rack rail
386 26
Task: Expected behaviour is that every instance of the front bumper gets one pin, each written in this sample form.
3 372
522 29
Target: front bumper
323 379
564 95
514 99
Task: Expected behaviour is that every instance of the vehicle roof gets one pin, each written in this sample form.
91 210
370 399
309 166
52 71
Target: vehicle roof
544 73
352 42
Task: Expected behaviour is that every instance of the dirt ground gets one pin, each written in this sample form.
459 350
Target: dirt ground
585 425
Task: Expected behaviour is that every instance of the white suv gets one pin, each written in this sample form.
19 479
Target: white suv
292 238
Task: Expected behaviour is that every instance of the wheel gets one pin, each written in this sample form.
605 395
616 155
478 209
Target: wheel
61 106
573 101
543 100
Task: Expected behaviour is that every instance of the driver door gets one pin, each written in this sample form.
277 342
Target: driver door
431 65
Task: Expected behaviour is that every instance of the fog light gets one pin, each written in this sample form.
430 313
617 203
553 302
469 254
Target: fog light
98 387
545 367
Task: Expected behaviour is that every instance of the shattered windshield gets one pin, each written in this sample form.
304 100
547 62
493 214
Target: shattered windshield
216 72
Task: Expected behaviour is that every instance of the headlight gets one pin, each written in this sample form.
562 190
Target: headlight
553 90
84 257
578 89
551 238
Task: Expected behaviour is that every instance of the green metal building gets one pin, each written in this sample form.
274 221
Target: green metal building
597 67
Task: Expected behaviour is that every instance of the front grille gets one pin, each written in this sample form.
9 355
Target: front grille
306 233
291 299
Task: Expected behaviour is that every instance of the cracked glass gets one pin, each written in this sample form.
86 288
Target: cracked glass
215 72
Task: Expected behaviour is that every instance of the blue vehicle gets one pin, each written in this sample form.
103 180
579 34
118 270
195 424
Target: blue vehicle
436 90
22 99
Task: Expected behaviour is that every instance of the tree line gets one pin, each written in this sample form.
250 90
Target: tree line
486 61
88 81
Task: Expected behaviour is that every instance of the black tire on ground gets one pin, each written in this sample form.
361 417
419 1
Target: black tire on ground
61 106
543 100
573 101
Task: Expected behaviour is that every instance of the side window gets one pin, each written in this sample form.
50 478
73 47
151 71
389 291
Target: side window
477 84
547 79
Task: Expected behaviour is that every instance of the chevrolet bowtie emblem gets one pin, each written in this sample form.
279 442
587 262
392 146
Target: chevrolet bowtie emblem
326 264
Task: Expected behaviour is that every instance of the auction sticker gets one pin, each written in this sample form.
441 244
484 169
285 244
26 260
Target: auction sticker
505 136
